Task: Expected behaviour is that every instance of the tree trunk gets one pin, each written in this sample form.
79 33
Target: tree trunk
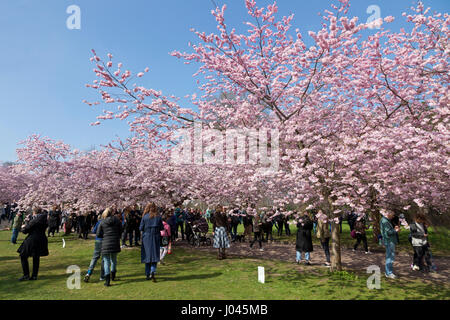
375 215
328 208
336 264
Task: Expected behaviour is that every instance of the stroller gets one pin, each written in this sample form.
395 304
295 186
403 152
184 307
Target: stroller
199 229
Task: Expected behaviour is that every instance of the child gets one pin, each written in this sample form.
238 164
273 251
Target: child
165 239
95 256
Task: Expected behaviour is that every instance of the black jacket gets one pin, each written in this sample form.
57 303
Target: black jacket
36 242
110 230
247 220
304 239
53 219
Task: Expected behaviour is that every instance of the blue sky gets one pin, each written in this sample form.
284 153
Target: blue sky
44 66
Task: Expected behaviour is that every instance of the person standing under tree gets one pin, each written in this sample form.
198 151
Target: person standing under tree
235 221
360 228
389 240
208 215
172 221
351 219
286 225
279 223
324 235
96 256
151 226
52 222
137 223
257 230
15 226
165 239
247 221
110 230
221 240
180 217
35 244
304 238
419 241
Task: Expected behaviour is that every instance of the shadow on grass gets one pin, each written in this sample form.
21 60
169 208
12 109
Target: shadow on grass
2 259
140 277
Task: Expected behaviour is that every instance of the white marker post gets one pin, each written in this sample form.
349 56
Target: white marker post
261 274
64 243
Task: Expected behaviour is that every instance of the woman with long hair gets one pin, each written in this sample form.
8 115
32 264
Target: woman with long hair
221 240
109 230
151 226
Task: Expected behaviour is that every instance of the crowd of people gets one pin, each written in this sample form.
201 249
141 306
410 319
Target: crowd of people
159 228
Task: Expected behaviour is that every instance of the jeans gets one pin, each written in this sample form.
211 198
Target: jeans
15 234
127 234
110 263
234 231
95 257
150 268
326 248
299 256
390 256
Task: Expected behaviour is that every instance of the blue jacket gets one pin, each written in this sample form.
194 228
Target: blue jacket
388 233
181 215
94 230
151 235
172 221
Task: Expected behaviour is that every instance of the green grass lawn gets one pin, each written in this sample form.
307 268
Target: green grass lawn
189 274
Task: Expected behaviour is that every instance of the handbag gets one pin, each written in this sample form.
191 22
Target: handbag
353 234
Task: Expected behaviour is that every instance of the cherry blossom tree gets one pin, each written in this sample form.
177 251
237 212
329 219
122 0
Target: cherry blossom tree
362 121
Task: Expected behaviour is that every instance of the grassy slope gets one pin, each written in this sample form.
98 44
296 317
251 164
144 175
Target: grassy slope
189 274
